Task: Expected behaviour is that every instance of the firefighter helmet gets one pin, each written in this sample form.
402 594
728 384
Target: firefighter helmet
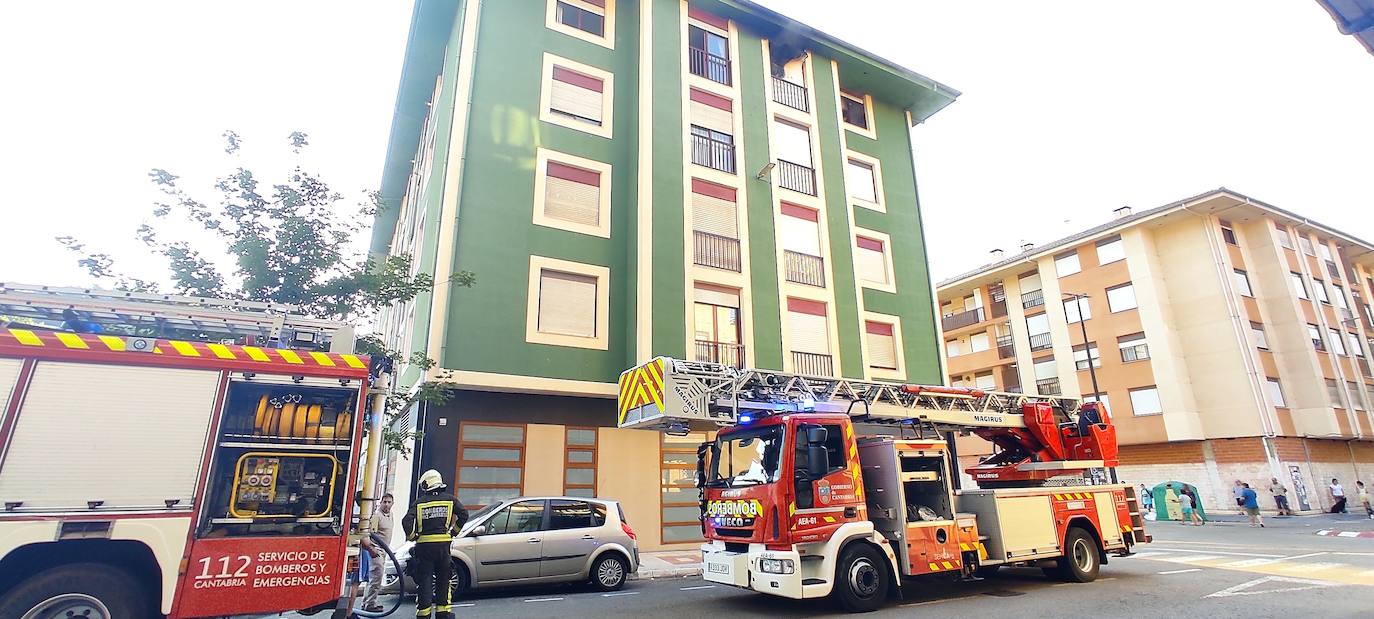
431 480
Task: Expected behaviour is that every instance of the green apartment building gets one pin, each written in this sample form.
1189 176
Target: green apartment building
707 180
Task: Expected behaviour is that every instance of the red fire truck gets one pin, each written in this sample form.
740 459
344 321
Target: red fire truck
148 477
816 487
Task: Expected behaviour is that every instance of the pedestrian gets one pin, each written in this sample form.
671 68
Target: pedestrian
1337 493
431 523
1197 507
1362 494
1185 502
1238 493
382 526
1250 501
1147 500
1280 493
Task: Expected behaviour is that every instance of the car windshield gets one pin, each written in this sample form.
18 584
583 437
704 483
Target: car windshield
747 457
482 513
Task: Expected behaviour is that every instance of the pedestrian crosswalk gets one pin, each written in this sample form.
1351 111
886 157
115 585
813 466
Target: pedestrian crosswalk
1318 566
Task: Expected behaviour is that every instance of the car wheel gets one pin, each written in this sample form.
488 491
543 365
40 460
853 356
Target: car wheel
861 581
458 585
609 572
80 590
1081 560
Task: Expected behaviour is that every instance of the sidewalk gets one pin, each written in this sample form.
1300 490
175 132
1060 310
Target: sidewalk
668 564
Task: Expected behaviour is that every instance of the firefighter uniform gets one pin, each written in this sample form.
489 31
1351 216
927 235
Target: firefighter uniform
433 520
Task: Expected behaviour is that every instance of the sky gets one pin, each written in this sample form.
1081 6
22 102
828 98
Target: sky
1070 110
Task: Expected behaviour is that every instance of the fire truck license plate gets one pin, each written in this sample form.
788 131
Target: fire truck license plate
735 522
718 568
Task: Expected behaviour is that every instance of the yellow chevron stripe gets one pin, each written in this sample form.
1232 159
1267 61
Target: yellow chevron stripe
185 349
221 351
26 337
112 342
256 353
947 565
829 519
934 568
72 340
1059 497
353 361
322 359
290 356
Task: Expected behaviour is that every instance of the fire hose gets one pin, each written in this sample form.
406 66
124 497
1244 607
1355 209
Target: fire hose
400 581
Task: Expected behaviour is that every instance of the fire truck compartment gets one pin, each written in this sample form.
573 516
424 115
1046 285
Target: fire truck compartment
1018 527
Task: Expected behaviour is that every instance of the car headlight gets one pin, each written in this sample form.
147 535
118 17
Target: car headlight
777 566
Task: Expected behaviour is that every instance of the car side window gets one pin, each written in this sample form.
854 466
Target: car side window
598 514
522 517
566 514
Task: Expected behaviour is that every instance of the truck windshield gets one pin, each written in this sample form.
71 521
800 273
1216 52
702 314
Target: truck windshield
747 457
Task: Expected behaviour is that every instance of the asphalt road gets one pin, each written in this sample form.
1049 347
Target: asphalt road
1220 570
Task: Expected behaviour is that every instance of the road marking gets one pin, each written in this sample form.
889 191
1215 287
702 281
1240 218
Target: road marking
1194 569
545 600
1218 552
697 587
1240 589
611 595
1310 567
1354 554
1194 558
1147 555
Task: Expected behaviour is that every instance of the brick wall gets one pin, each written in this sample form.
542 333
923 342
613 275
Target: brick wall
1229 450
1161 453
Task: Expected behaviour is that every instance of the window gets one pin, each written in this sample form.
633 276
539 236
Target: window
1354 342
1242 283
567 303
1072 307
708 51
799 229
491 463
717 325
1306 245
1333 391
1276 392
1285 238
1319 291
809 337
1081 356
1133 347
1299 286
1067 264
793 142
871 261
1047 377
1031 293
854 109
576 96
715 226
1038 328
953 348
565 514
1340 296
978 342
1100 397
1337 342
1145 401
861 181
680 515
1261 341
572 193
1121 298
1228 233
985 381
522 517
1356 399
882 345
1324 251
588 20
1110 250
713 126
579 462
1315 334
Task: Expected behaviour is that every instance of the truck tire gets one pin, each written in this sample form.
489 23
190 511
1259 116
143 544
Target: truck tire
90 590
1082 558
861 579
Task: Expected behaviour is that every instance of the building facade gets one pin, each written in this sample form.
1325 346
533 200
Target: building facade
1231 340
707 180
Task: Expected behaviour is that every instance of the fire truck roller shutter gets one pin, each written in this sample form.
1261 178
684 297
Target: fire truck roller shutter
9 373
127 436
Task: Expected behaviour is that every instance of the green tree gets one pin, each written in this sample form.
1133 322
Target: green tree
288 242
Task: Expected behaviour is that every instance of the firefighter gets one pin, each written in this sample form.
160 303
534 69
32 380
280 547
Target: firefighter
431 523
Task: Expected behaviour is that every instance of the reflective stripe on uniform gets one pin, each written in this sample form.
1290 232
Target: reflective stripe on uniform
423 612
445 608
435 537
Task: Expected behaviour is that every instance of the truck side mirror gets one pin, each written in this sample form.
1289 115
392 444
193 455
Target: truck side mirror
816 435
817 459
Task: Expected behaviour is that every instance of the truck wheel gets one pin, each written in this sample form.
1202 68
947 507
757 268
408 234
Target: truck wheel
1081 560
861 580
87 590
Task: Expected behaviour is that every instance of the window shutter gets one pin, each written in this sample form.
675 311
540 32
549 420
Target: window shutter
882 345
859 177
572 194
985 381
567 303
712 112
799 230
794 143
714 210
715 295
806 320
576 94
870 261
1046 369
1030 283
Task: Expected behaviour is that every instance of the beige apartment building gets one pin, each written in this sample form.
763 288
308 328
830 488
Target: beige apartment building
1231 340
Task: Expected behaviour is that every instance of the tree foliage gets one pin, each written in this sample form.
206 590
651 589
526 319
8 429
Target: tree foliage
291 242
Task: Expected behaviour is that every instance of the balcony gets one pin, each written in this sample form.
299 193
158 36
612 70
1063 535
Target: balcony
713 153
1040 341
804 268
796 177
1047 386
812 364
790 94
1032 299
709 66
719 352
1010 379
962 319
1005 348
715 251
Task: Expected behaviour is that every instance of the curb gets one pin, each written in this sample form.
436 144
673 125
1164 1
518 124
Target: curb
670 572
1335 533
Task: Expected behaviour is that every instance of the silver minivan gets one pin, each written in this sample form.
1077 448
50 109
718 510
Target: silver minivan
532 540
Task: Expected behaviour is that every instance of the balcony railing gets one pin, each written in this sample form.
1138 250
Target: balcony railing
1040 341
709 66
790 94
1047 386
796 177
715 251
804 268
713 153
962 319
812 364
1011 379
1032 299
999 308
1006 349
720 352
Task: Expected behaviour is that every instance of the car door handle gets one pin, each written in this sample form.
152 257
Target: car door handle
588 537
533 540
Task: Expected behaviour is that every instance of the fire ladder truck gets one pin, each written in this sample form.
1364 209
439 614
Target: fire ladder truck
816 487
